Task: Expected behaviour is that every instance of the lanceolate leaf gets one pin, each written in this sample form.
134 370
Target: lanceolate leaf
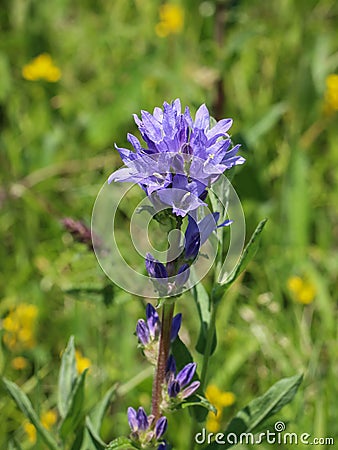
26 407
96 441
67 378
249 252
259 410
202 301
96 416
95 420
74 413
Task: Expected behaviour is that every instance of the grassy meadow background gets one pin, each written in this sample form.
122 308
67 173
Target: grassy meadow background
266 65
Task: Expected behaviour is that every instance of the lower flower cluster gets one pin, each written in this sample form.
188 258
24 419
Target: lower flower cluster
178 387
146 430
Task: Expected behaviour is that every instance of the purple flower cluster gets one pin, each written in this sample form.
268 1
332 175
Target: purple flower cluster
182 157
148 332
145 430
178 386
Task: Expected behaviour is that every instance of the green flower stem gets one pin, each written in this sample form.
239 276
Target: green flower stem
163 353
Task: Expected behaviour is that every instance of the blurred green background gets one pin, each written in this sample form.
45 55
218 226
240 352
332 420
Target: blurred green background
268 65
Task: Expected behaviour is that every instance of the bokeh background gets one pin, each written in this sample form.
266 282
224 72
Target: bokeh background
72 73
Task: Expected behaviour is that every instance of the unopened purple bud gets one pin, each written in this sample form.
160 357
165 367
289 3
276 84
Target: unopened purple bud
132 419
173 388
190 389
161 427
142 419
152 320
185 375
192 245
155 268
175 327
142 332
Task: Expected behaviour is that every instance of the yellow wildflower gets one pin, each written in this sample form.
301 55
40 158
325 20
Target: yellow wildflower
41 68
171 20
82 362
19 327
30 431
303 290
48 419
220 399
213 424
331 94
19 363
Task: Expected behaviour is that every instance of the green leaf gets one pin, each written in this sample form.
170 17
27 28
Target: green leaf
97 442
74 413
121 443
67 378
181 353
202 301
79 440
247 255
26 407
259 410
96 418
96 415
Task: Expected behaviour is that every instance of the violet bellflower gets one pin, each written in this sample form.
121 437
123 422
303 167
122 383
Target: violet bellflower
178 386
148 332
144 429
181 157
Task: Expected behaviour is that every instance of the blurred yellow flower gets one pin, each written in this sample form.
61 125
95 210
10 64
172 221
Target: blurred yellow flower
331 94
171 20
303 290
48 419
220 399
30 431
19 363
41 68
19 327
82 363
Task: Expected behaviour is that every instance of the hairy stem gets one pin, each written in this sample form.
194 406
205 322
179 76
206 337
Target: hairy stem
163 353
